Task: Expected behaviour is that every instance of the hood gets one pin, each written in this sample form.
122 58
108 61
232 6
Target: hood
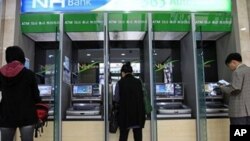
12 69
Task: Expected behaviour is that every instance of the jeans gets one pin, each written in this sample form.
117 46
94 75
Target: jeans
7 134
136 131
240 121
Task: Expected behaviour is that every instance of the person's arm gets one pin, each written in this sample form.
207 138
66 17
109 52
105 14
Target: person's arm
237 82
236 86
35 90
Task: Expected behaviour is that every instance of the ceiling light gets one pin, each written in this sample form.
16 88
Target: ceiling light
123 54
92 61
243 29
88 54
123 60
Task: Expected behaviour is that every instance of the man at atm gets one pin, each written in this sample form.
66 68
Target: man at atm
238 90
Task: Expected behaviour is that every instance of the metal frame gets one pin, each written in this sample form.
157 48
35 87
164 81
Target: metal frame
106 78
153 123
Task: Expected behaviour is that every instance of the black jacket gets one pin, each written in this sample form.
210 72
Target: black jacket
19 95
131 111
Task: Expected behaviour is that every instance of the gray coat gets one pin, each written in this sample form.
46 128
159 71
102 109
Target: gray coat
239 92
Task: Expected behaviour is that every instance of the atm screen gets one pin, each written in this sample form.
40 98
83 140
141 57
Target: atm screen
82 90
165 89
212 90
45 90
170 91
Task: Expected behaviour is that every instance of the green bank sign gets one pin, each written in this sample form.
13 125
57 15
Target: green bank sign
213 22
65 6
94 22
39 23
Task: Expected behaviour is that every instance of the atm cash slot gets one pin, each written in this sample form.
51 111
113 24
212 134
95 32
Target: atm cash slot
86 99
216 108
173 108
86 106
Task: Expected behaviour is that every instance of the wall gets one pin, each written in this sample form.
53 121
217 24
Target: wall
66 85
224 46
241 26
187 67
2 18
10 30
28 47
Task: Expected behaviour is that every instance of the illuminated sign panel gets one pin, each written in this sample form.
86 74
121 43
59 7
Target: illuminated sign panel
124 5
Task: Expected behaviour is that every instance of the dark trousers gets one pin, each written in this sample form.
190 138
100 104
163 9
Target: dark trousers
240 120
27 132
136 131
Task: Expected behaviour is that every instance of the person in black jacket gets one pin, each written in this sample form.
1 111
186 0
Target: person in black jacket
19 95
131 111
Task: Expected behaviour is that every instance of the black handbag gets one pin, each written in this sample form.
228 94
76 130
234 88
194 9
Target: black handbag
113 121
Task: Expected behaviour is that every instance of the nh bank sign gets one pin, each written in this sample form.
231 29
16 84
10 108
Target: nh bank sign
61 3
64 6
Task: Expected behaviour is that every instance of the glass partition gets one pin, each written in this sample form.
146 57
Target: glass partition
41 43
211 31
83 76
173 72
127 41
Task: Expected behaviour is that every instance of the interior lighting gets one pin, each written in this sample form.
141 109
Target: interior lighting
243 28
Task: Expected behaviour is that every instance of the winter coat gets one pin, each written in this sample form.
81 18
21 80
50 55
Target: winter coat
131 111
19 95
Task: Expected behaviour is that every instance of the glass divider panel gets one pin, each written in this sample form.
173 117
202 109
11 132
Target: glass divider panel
201 121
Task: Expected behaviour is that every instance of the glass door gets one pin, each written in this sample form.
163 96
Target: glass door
127 38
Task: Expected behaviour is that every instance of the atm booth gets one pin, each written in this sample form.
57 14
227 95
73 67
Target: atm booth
169 101
86 102
215 107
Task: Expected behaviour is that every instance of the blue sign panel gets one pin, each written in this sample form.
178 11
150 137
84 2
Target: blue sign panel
61 5
124 5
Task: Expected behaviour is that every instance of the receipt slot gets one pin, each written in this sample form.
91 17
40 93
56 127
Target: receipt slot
169 101
86 102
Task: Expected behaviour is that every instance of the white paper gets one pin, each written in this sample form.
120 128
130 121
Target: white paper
223 82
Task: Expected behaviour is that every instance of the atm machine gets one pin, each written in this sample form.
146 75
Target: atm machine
86 102
47 96
215 106
169 101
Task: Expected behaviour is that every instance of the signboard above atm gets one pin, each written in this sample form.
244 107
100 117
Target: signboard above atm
64 6
93 22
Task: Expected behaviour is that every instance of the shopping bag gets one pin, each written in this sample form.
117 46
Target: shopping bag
147 103
113 121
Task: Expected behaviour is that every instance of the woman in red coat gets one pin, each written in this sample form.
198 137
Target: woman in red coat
19 95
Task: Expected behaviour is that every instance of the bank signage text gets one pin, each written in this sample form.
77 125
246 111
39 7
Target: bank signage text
124 5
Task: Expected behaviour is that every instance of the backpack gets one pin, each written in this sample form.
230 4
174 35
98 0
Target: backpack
42 114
